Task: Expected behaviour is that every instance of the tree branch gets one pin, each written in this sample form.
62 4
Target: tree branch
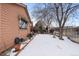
57 15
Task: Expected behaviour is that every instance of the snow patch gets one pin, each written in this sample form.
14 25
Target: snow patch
46 45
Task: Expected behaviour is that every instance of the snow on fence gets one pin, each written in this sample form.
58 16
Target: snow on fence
72 34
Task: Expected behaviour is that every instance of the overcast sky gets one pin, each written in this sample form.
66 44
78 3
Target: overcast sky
72 22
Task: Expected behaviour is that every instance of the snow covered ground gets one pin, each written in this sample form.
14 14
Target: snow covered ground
46 45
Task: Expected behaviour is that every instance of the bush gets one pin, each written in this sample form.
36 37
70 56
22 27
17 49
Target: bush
29 36
17 40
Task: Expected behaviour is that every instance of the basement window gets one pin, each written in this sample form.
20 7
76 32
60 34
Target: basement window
23 23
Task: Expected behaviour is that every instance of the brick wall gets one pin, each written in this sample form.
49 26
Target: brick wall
9 27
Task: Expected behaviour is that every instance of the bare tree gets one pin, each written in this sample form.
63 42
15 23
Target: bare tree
63 11
41 12
59 12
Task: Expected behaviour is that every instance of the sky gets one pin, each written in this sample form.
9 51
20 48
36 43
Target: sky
72 22
30 8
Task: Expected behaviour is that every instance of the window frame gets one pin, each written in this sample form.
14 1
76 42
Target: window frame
25 21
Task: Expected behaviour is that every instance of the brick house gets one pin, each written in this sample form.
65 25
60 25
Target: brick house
14 22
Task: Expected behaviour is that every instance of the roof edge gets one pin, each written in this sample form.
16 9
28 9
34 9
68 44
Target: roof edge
21 4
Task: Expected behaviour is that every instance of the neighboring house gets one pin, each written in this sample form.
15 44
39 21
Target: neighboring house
14 22
40 26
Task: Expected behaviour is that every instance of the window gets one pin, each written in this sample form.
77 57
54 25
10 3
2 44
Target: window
22 23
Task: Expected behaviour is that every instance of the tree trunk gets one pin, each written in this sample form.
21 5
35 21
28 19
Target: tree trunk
61 33
47 29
